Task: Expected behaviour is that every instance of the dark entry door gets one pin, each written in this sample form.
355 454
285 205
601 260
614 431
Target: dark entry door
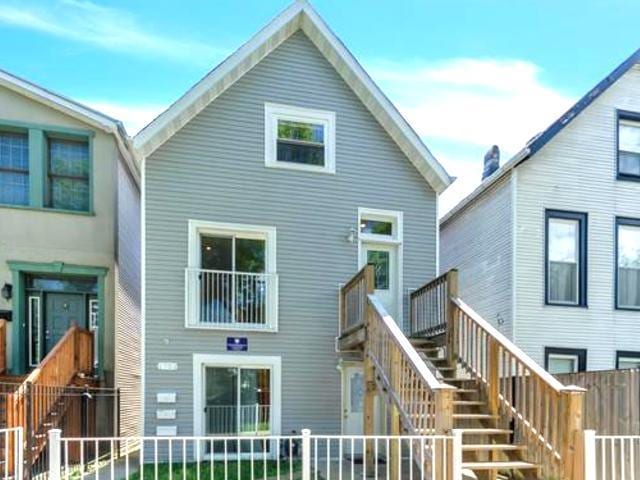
62 311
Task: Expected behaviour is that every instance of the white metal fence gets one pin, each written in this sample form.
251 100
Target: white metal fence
234 419
218 297
11 450
611 457
304 457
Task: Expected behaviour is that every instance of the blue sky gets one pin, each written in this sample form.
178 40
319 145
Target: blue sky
466 74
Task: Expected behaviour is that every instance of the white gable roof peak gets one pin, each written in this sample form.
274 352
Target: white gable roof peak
298 16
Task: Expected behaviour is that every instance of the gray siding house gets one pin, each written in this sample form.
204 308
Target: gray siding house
266 186
548 246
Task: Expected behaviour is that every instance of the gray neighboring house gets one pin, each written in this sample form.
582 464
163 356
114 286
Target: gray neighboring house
266 186
548 246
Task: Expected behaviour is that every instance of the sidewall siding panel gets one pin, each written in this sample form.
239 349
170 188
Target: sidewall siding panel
213 170
576 171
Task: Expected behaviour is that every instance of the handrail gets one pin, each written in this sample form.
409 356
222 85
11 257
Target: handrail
546 415
36 397
429 304
405 346
3 345
508 345
353 300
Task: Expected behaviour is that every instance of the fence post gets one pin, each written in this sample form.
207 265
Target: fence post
306 454
572 453
443 426
456 455
589 450
54 454
452 291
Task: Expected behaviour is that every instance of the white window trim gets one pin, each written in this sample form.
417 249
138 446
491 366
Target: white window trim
274 112
566 356
202 360
196 229
396 217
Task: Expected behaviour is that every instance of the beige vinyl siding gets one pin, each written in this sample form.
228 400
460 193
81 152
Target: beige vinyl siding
478 241
128 359
577 171
214 170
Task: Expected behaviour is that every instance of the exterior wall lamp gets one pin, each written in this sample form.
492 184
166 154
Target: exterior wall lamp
7 291
353 235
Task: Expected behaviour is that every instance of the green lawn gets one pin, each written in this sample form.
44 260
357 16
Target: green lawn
219 471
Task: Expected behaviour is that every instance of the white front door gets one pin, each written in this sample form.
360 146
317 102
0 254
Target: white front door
384 257
352 400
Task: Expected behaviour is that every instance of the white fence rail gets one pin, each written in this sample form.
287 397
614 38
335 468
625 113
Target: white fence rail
611 457
11 453
222 298
304 457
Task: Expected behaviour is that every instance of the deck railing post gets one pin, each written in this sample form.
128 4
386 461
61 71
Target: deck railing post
572 434
306 454
450 311
589 450
54 454
369 374
443 426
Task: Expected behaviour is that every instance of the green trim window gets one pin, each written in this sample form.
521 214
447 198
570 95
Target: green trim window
46 167
14 168
68 174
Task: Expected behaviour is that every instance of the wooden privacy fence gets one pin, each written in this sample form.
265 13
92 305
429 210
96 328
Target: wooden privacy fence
612 402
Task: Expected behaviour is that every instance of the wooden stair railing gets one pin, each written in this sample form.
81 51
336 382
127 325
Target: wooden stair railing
35 400
420 403
546 415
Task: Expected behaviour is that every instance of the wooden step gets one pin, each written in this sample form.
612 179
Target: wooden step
469 403
422 342
475 416
515 465
466 390
485 431
487 447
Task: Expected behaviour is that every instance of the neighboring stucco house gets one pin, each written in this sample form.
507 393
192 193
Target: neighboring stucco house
548 246
69 233
266 186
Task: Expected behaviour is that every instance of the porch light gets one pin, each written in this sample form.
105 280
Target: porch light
6 291
353 235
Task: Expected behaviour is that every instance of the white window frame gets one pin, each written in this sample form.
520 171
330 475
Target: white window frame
197 228
396 217
201 361
274 112
565 356
30 304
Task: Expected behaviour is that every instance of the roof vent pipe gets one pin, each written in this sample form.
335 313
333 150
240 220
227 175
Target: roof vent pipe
491 161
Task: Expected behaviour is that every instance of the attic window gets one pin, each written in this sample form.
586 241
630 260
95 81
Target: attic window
299 138
629 146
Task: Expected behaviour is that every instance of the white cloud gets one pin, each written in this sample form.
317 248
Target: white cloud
134 117
472 103
104 27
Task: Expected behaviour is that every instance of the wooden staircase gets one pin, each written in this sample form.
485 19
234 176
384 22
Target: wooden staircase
456 373
39 403
487 445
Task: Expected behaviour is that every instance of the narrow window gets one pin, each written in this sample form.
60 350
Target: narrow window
628 263
14 168
625 360
566 258
299 138
629 146
68 175
565 360
35 331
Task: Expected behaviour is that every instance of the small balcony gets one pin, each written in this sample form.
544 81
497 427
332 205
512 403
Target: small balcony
231 300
